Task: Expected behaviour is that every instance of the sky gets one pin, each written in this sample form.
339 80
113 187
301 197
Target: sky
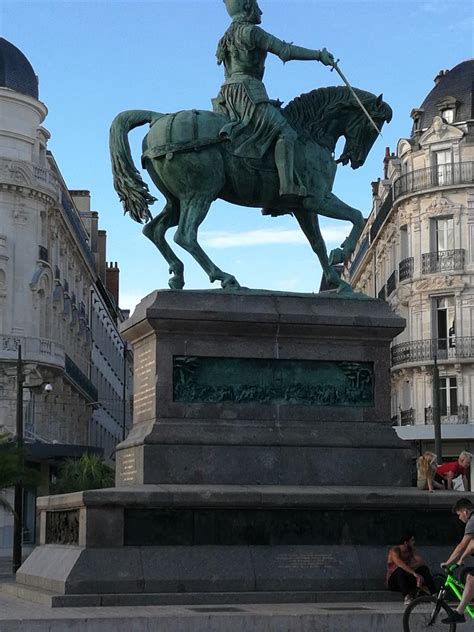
95 59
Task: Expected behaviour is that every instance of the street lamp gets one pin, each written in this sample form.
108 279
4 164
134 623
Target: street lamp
18 498
436 412
18 501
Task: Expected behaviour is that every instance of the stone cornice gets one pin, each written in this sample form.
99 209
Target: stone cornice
27 179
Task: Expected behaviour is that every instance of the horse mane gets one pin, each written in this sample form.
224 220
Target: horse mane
312 112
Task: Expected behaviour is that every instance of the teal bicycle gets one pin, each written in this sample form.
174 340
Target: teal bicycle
426 612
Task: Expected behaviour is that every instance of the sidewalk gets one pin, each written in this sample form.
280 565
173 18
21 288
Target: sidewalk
21 616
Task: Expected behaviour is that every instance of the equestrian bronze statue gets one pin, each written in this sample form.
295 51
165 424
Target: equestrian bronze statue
249 151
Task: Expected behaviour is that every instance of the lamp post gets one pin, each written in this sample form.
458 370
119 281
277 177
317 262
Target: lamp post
20 444
436 412
18 500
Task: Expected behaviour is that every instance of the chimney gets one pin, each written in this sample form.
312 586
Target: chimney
112 275
439 76
386 161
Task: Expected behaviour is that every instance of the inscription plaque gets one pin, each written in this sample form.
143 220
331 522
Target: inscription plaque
128 472
144 382
304 560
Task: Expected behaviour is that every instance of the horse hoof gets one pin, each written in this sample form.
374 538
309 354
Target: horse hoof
176 283
230 282
344 289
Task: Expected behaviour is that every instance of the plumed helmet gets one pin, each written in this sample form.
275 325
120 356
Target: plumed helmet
239 7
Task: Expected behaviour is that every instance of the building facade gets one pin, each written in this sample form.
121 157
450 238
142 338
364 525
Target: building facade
52 274
417 253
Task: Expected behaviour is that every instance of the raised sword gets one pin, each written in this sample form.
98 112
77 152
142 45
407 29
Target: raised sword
352 91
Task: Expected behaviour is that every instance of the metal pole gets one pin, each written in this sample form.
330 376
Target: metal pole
18 501
124 392
436 412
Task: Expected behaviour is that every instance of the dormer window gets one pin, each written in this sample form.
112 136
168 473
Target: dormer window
416 114
448 115
447 109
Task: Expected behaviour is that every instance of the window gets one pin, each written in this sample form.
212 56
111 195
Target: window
445 326
444 229
443 161
448 115
448 396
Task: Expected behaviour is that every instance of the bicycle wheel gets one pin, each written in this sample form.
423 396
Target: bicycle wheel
425 613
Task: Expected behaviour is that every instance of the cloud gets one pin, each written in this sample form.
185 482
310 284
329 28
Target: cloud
269 236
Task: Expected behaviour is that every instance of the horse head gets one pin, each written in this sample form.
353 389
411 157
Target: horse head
358 131
326 114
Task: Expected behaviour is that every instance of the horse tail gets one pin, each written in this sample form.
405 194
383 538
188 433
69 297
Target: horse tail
132 190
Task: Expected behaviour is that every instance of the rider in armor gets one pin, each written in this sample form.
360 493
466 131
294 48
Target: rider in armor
256 121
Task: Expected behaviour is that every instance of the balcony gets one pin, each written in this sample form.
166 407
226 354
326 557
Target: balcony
437 176
34 350
458 415
418 351
359 256
77 377
391 283
381 216
405 269
443 261
407 417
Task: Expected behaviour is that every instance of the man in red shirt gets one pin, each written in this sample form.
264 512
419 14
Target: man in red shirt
446 472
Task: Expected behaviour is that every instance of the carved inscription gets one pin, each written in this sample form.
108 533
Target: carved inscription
129 467
144 381
251 380
62 527
305 560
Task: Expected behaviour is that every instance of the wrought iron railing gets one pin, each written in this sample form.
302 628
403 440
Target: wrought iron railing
74 373
437 176
79 230
381 294
359 256
443 261
407 417
392 283
456 415
405 269
381 216
441 348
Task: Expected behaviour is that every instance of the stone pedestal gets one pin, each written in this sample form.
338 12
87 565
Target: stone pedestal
261 388
261 465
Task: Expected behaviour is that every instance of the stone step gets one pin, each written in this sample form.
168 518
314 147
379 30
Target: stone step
17 614
229 599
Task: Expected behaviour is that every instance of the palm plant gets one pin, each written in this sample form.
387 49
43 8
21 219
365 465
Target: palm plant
88 472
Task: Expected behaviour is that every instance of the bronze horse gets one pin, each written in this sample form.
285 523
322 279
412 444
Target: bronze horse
192 166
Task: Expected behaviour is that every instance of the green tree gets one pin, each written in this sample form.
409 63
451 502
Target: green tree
88 472
13 468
